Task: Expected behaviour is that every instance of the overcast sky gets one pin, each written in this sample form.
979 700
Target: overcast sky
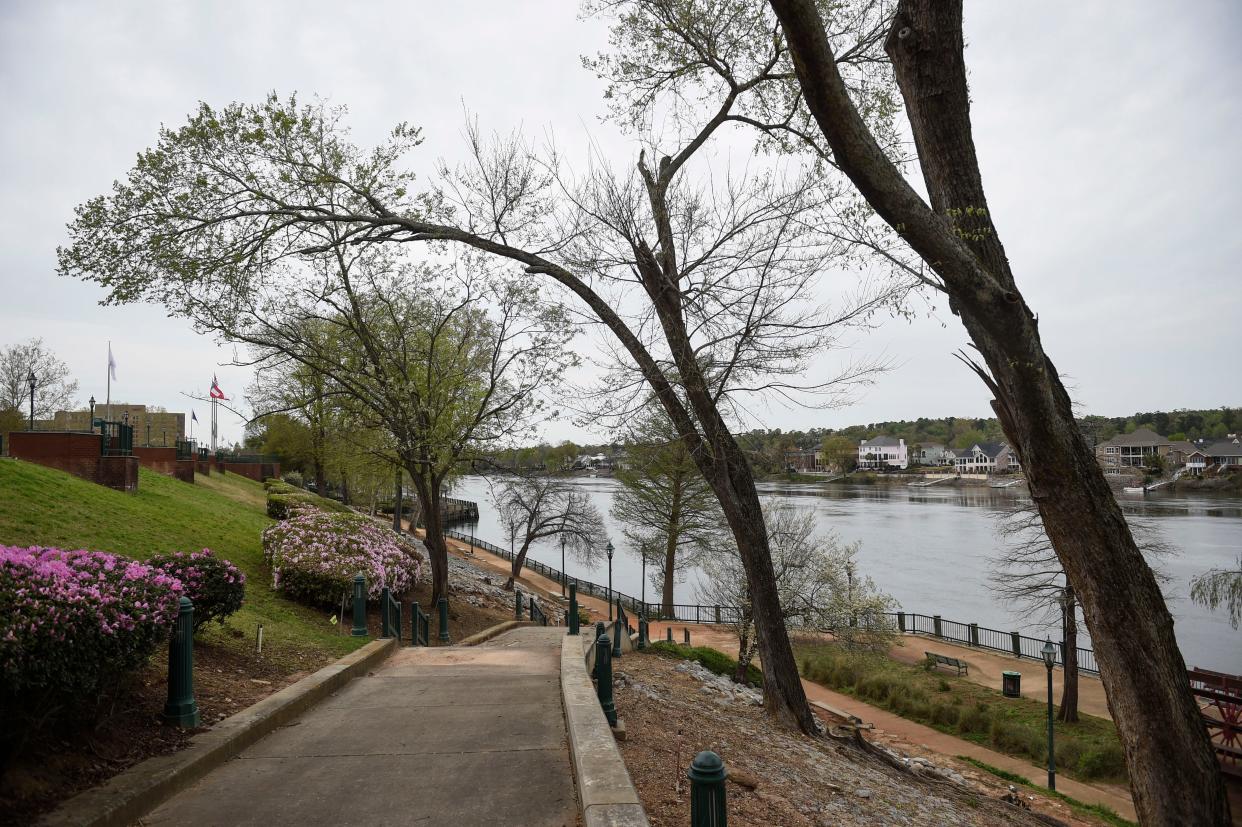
1108 133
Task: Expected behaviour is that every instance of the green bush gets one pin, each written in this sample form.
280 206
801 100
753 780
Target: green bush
945 715
281 506
215 586
1102 761
974 720
711 659
1012 738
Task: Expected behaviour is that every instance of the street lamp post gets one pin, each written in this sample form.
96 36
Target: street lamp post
31 379
92 423
148 434
562 561
609 549
644 594
1050 657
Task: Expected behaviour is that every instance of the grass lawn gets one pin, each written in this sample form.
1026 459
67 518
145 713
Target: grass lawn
1087 750
223 512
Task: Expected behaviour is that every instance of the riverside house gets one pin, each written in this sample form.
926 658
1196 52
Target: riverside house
883 452
986 458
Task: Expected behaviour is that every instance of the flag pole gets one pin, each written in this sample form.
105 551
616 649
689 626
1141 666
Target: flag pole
109 370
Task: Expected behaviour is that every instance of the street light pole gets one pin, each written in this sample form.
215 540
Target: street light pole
92 422
609 549
1050 655
31 379
562 561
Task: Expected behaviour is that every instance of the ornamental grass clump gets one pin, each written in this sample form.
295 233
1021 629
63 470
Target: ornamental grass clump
215 586
74 621
315 555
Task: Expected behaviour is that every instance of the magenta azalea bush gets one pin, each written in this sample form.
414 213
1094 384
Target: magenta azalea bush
315 555
71 621
215 586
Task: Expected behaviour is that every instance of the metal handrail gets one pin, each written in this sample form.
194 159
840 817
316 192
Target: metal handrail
420 626
536 613
390 615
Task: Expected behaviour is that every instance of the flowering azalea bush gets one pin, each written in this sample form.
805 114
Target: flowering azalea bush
71 621
215 586
315 555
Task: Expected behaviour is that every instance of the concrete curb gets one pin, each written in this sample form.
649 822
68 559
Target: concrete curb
135 792
606 795
493 631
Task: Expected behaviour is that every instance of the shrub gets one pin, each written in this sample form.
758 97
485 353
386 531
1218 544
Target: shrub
215 586
73 621
711 659
315 555
281 504
976 719
1014 738
945 715
1103 761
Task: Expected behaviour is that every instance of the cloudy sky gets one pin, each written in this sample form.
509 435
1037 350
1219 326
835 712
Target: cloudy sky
1108 135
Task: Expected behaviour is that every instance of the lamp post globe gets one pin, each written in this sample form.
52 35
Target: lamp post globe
1049 651
609 550
92 404
30 377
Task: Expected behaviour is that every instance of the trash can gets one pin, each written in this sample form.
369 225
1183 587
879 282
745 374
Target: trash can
1011 684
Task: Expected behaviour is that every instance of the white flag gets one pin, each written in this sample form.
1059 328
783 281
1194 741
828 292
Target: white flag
111 362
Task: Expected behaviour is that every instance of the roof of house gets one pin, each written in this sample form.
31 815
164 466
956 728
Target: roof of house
1185 446
1224 448
932 446
1140 437
881 442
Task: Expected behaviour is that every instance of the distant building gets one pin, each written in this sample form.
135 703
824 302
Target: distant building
1133 449
803 459
883 452
165 427
1226 452
931 453
986 458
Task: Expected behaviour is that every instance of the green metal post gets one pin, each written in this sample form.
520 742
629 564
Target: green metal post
1017 644
670 634
1052 761
936 624
414 623
443 607
385 622
360 607
517 603
603 674
707 791
642 633
573 609
618 629
974 634
181 710
687 633
901 622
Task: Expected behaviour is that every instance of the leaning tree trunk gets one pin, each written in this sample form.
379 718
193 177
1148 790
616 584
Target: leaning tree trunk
1069 634
515 568
1173 773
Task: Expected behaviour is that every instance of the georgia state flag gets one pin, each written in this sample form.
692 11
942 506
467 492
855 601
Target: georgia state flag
216 393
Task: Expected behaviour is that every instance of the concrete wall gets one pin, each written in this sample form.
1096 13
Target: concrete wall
76 453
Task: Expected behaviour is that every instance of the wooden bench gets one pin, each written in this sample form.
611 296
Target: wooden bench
942 660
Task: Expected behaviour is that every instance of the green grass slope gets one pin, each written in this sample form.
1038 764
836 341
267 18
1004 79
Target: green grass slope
45 507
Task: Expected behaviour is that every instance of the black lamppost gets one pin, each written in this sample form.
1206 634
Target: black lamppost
1050 657
609 549
31 379
562 561
92 423
644 594
148 434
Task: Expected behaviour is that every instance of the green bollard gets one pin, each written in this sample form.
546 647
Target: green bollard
360 607
618 629
443 607
517 603
670 634
642 633
385 621
603 671
181 710
687 631
573 609
600 631
707 791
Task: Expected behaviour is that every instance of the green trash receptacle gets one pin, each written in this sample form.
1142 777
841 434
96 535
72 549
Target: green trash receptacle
1011 684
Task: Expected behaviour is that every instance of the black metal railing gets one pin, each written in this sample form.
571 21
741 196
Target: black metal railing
536 613
954 631
420 626
185 449
390 616
117 439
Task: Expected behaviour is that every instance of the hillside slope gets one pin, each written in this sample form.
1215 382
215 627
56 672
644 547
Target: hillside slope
46 507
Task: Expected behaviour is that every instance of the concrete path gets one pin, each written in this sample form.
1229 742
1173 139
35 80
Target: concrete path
451 735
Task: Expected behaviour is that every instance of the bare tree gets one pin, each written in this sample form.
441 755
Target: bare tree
54 390
818 581
811 104
669 513
534 508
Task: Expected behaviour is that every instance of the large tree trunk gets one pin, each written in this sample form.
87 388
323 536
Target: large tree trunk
666 588
1069 683
515 568
433 532
1173 773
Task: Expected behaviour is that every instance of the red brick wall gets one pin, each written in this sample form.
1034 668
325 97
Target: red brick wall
257 471
202 466
160 460
184 470
76 453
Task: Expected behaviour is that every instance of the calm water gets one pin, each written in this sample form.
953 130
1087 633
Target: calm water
931 548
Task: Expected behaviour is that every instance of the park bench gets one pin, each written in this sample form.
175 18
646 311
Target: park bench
943 660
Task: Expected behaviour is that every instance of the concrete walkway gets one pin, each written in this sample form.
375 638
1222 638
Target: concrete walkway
451 735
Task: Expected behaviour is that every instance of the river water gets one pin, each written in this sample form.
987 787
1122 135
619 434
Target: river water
931 549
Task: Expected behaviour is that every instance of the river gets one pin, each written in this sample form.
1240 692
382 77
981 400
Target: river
931 549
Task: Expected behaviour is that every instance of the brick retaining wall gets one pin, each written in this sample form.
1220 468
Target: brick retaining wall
77 453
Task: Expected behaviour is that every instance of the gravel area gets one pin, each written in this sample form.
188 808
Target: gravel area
674 709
